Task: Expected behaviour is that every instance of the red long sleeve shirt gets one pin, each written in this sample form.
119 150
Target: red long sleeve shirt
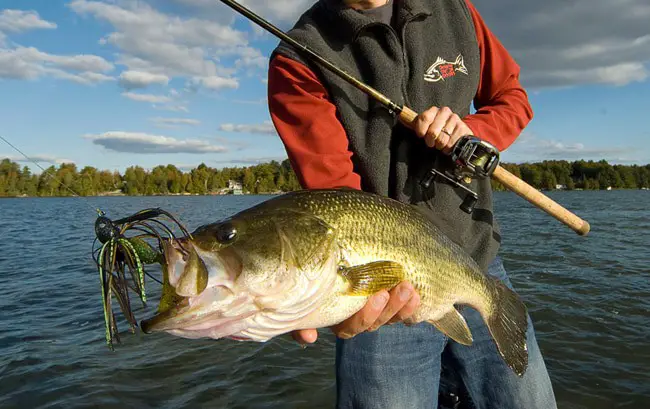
317 144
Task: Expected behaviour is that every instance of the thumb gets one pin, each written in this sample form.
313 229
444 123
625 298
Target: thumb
305 336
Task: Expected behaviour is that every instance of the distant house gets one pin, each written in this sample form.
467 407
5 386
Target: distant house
560 187
235 187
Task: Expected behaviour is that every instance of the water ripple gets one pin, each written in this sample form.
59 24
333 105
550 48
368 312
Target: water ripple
589 298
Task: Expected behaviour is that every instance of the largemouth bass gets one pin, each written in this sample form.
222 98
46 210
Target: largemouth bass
311 259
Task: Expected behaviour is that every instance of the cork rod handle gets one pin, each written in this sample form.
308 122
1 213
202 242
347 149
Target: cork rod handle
540 200
523 189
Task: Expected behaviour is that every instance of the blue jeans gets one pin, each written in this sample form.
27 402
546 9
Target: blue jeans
399 367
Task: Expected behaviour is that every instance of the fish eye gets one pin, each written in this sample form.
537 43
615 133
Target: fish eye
226 233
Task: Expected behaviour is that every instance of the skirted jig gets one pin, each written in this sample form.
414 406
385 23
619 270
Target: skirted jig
120 255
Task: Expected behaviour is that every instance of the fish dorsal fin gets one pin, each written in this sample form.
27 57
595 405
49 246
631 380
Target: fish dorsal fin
454 326
367 279
307 240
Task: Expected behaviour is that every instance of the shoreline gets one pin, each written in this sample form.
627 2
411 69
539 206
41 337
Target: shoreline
152 195
110 194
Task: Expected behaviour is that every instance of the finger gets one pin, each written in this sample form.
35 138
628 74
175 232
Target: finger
363 319
424 120
450 127
440 121
441 140
399 298
305 336
408 310
460 131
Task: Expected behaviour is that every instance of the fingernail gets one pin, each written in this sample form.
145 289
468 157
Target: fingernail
344 335
379 301
404 294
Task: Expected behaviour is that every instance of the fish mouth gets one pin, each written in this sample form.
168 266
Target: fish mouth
198 297
198 317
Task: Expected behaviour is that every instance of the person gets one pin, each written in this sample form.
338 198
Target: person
437 57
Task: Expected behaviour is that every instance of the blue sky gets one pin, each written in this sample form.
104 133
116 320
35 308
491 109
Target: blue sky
113 83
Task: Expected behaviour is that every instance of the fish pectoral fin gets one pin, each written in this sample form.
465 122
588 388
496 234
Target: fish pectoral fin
367 279
454 326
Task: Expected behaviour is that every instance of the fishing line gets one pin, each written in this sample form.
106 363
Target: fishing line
86 201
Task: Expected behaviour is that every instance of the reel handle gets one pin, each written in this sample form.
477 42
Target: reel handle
407 116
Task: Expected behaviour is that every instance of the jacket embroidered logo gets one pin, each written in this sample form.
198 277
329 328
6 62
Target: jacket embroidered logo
442 69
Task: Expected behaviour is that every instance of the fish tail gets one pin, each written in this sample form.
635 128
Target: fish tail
460 64
508 322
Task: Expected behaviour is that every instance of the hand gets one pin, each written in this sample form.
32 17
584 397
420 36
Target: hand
440 127
381 308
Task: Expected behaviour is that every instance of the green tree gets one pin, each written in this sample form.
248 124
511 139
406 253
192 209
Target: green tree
199 181
531 174
549 181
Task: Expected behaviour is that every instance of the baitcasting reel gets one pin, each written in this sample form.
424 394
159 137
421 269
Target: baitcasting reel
472 158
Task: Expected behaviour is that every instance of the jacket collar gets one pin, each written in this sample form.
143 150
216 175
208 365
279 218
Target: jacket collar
350 22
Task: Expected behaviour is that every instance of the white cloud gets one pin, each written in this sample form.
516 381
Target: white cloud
618 75
80 62
141 79
172 108
174 121
562 44
153 42
18 21
284 11
531 148
247 56
264 128
186 167
214 83
143 143
154 99
169 102
259 101
28 63
251 160
53 160
85 78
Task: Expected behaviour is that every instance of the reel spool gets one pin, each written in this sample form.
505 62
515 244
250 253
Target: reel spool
472 158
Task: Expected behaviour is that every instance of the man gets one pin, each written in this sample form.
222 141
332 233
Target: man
436 57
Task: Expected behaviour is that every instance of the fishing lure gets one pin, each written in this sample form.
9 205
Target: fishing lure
121 258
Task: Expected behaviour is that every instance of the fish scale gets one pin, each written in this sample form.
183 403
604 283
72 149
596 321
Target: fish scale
381 229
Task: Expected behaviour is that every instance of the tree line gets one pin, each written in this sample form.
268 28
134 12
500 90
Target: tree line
274 177
581 174
269 177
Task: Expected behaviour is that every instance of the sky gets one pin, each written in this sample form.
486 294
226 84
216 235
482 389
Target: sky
115 83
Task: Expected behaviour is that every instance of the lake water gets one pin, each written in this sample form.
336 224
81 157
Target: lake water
589 298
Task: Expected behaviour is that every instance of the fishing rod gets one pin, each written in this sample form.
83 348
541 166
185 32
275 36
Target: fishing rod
472 156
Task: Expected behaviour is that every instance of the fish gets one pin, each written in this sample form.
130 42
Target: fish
312 258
